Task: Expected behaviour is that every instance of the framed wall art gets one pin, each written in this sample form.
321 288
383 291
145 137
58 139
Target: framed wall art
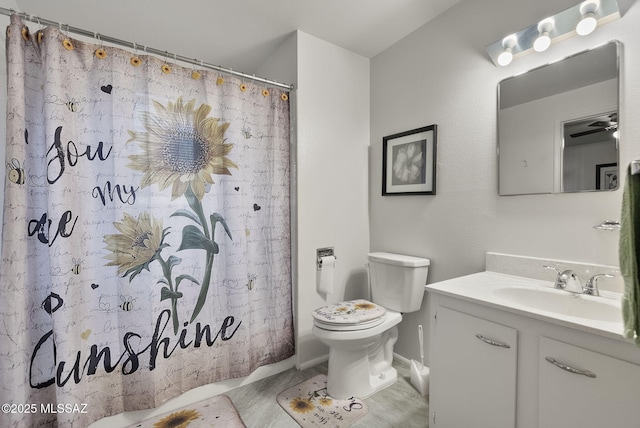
409 162
607 176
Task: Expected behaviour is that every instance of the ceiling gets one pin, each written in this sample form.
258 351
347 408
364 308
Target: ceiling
241 34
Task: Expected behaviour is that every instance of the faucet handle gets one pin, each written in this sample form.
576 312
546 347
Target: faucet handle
558 271
560 281
591 287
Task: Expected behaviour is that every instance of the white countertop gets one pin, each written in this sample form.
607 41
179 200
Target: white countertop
482 288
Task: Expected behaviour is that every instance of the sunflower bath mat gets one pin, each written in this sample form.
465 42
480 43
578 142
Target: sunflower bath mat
310 406
216 411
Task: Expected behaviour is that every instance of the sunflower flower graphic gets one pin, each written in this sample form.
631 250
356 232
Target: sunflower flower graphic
139 242
365 306
326 401
301 405
180 419
182 147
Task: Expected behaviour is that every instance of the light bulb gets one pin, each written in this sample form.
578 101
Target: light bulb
542 42
505 57
587 24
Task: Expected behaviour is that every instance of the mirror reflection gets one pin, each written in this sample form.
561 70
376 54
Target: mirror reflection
590 155
557 126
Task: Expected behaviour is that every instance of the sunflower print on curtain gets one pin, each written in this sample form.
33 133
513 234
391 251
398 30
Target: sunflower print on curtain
146 237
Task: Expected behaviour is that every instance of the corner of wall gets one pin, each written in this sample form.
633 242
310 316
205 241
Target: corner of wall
333 127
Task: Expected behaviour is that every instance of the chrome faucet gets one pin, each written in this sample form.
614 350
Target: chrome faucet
591 287
566 278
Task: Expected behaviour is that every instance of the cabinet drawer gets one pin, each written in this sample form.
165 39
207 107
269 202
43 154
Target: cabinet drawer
582 388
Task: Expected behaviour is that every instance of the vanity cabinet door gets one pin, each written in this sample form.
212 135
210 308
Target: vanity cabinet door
473 372
570 396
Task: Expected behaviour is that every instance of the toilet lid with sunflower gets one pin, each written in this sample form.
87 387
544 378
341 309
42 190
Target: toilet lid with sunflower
358 312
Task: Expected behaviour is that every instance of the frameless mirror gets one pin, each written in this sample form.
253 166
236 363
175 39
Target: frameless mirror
557 126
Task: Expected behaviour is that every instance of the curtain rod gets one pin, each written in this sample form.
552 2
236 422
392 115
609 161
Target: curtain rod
131 45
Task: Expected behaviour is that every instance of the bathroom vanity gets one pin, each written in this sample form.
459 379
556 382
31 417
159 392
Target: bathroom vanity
509 351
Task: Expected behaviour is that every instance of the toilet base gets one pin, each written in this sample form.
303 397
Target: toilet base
364 371
340 389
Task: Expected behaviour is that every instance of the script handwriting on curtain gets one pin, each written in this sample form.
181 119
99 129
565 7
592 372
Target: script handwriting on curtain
146 236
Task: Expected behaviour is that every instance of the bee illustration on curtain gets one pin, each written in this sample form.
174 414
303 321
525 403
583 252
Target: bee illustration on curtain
16 172
126 303
77 266
72 104
252 281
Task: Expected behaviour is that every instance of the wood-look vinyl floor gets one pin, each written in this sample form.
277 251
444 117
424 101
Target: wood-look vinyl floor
399 405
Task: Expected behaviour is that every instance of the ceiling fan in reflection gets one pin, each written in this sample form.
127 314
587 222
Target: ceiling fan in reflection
600 126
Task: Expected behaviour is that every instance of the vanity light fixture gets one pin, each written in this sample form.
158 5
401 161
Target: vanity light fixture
588 22
543 41
581 19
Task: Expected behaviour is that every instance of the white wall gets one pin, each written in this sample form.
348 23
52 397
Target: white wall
441 74
332 100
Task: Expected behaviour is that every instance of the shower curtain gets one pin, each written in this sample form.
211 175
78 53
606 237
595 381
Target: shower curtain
146 235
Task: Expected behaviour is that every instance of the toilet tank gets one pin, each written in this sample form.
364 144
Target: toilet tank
397 281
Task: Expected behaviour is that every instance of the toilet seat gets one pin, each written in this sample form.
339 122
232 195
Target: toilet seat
351 315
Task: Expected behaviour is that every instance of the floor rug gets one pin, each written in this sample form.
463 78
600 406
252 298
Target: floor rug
310 406
216 411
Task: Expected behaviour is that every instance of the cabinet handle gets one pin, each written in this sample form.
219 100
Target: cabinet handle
570 369
492 342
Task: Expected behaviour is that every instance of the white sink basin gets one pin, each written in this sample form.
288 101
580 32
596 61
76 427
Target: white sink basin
538 299
562 303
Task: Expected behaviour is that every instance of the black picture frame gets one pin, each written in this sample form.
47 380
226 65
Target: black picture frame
607 176
409 162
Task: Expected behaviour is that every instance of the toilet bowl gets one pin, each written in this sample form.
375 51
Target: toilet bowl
360 356
361 333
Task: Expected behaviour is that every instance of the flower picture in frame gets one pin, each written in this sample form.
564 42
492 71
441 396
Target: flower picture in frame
607 176
409 162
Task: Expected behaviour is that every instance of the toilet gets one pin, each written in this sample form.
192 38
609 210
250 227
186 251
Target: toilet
361 333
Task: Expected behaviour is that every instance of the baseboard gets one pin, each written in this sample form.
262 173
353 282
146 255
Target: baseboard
324 358
401 358
313 362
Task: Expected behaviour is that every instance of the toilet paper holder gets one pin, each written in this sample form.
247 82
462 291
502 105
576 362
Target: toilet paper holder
323 252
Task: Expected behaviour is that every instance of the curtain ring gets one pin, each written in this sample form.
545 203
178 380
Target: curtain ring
166 69
135 60
40 33
100 53
68 45
195 74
